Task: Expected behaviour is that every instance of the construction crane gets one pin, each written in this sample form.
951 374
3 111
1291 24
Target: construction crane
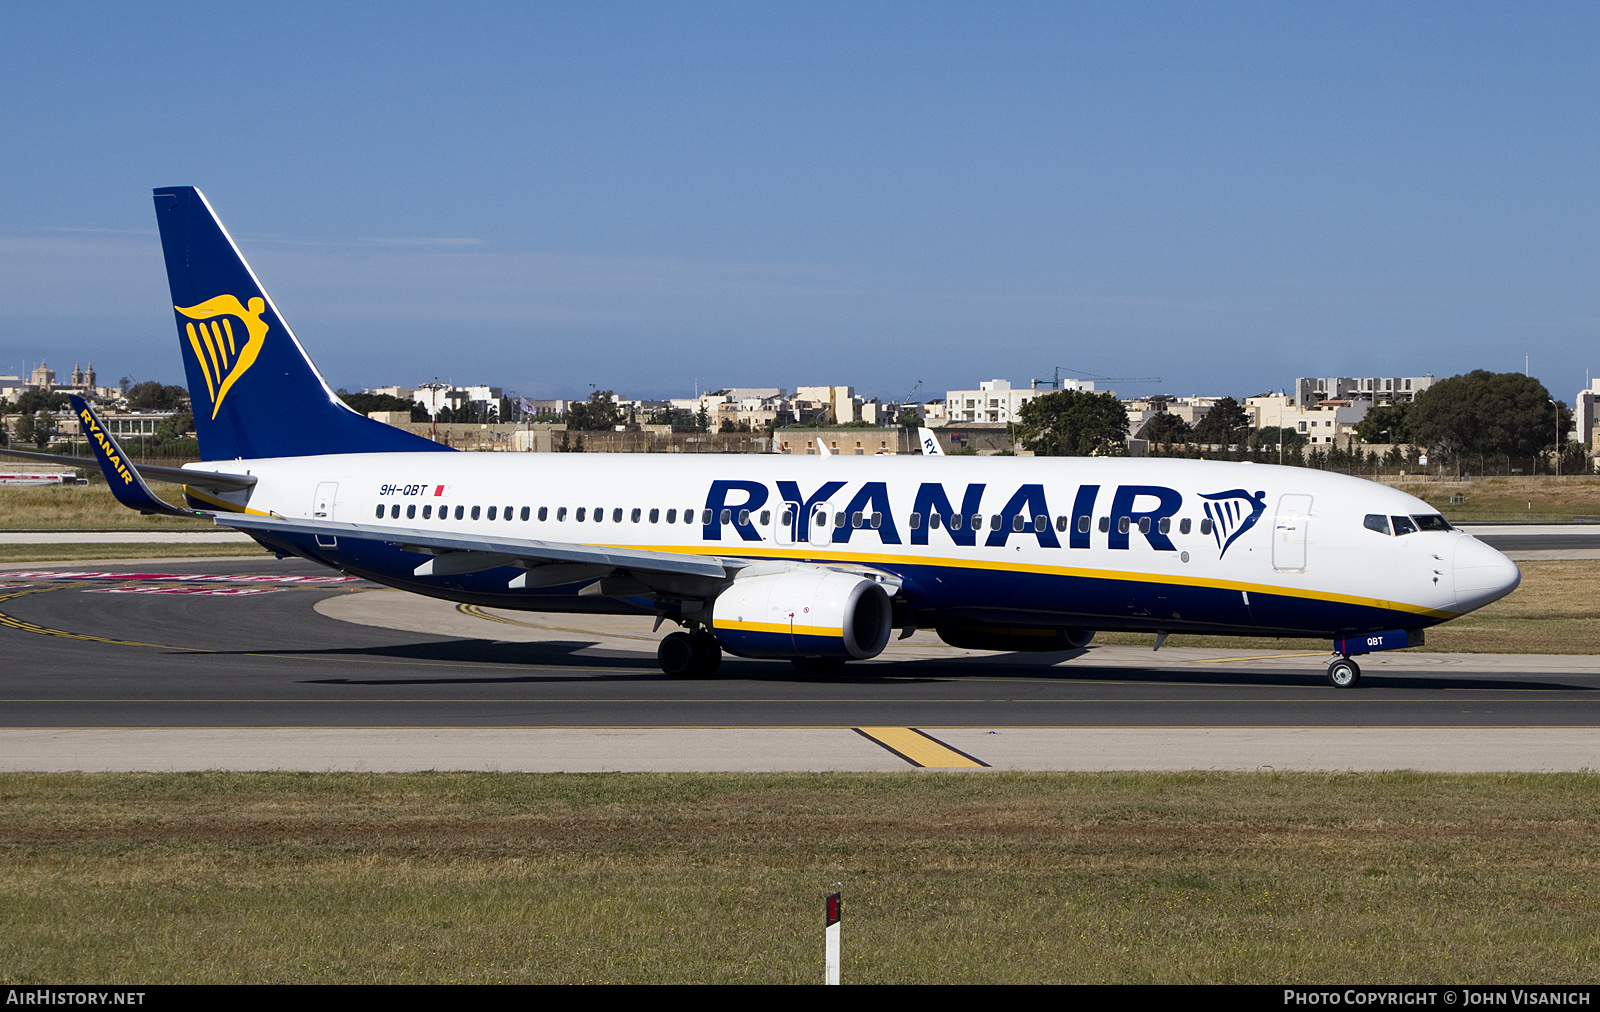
1055 382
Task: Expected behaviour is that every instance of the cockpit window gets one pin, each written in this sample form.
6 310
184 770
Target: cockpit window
1431 522
1376 522
1403 525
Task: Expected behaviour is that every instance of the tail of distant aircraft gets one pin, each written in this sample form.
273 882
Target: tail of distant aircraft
930 443
253 390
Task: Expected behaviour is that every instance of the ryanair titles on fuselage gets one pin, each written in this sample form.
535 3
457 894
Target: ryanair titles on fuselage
732 506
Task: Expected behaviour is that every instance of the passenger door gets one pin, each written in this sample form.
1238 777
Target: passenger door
1289 533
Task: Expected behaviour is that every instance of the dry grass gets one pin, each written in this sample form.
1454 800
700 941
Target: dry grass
719 878
1555 611
142 550
1545 498
82 507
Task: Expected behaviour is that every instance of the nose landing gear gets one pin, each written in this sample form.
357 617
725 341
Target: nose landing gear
1343 673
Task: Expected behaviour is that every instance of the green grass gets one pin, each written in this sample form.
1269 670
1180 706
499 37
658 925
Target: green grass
1152 877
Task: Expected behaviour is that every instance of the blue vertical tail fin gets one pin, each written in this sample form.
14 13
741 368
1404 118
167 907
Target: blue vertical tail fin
253 390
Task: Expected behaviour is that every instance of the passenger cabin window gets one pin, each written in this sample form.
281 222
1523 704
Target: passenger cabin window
525 511
1183 526
509 510
599 514
561 513
474 512
461 511
655 516
1061 524
1083 525
580 513
427 512
1166 525
634 516
544 513
411 511
491 513
1105 525
616 515
915 521
977 522
1205 525
766 517
1403 526
672 516
1376 522
380 511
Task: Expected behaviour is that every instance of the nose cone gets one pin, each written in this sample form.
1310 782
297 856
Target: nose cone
1481 574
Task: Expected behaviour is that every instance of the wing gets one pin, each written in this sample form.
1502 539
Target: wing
471 553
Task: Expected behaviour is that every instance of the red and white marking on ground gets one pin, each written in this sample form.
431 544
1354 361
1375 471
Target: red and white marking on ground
207 591
312 581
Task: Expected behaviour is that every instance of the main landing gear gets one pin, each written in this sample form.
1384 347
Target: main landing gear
693 654
1343 673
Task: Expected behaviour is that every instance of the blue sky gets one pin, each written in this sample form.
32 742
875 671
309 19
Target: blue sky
654 197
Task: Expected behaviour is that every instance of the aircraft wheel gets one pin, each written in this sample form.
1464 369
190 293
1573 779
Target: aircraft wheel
677 655
707 652
1344 673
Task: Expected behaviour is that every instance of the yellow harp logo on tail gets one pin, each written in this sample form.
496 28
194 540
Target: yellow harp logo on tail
223 355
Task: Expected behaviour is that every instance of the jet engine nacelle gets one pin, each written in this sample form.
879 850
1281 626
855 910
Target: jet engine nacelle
803 613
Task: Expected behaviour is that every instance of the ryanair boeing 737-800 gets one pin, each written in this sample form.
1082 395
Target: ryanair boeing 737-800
813 559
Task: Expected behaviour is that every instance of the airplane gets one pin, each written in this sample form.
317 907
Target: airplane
817 560
930 443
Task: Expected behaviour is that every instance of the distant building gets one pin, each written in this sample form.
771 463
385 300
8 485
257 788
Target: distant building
1324 422
996 401
1374 390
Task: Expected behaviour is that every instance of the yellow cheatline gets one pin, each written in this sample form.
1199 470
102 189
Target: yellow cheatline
1130 576
920 749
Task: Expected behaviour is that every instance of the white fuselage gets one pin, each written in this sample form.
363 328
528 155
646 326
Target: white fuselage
1162 527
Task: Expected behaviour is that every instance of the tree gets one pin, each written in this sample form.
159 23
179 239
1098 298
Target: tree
1223 425
598 414
32 402
1167 429
1386 424
153 396
368 403
1074 423
1499 414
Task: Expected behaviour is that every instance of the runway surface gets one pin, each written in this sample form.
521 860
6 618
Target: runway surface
285 648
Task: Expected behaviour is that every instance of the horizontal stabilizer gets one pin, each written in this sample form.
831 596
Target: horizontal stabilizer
149 472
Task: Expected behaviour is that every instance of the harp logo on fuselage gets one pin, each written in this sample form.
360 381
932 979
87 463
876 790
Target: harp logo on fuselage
225 351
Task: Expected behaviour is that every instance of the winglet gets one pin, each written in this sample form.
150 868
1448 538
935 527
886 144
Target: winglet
125 482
